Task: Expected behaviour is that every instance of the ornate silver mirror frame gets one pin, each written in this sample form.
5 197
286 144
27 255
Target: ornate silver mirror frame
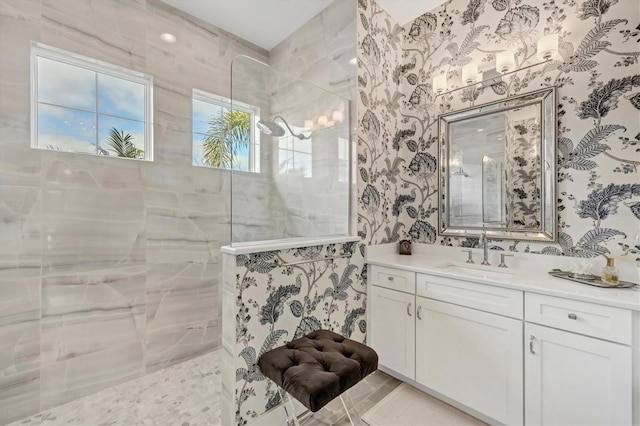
497 169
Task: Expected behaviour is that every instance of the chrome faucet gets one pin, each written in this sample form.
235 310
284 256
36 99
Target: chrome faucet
485 247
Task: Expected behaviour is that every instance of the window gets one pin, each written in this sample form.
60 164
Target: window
87 106
224 136
294 155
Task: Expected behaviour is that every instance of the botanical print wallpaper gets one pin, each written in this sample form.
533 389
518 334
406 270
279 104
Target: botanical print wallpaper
381 190
283 295
598 79
522 175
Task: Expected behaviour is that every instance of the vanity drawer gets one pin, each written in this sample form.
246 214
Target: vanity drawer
395 279
497 300
591 319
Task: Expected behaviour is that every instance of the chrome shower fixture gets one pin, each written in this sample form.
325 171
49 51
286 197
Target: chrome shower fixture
271 128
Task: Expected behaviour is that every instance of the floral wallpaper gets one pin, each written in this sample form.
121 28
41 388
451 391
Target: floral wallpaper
598 79
379 115
283 295
522 176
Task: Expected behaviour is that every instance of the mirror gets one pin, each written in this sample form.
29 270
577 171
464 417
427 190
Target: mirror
498 167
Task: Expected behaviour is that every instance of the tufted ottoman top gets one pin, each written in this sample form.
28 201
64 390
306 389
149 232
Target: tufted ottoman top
318 367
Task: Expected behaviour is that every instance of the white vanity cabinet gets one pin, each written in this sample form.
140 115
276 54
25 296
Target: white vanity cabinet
507 352
470 353
453 337
577 379
392 319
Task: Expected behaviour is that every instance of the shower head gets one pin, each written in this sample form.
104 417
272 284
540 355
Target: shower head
270 128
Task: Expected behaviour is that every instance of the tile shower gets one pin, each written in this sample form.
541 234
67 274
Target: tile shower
110 268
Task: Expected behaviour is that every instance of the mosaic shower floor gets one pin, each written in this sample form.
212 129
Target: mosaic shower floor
188 394
185 394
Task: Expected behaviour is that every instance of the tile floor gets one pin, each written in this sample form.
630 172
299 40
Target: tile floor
185 394
188 394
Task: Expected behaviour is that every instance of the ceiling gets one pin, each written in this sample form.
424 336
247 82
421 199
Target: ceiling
264 23
246 18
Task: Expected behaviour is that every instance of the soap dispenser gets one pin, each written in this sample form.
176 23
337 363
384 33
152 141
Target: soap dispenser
610 273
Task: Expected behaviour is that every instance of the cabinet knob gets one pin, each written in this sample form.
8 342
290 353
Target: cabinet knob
418 312
573 316
390 278
409 309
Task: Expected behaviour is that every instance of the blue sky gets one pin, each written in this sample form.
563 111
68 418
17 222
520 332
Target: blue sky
85 104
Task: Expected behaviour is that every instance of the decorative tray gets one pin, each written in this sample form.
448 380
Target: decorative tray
593 280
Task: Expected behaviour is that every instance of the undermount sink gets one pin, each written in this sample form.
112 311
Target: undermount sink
476 271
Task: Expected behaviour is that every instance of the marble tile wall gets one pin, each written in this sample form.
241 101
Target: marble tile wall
109 268
20 232
265 220
320 52
93 285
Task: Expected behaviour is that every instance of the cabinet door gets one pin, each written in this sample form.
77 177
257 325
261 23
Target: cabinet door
575 380
471 356
392 329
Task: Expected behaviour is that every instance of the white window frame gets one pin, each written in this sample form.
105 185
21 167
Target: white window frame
69 58
295 151
254 114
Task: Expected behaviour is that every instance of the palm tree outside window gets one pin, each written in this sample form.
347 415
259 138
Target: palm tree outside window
224 136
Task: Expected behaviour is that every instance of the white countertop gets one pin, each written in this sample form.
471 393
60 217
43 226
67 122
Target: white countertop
530 273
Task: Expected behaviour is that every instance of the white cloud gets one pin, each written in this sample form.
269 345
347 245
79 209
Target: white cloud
123 98
75 87
67 85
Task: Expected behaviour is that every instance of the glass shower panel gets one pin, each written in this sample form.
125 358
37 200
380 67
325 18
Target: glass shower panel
302 188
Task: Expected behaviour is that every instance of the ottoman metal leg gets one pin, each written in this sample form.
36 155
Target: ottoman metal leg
350 408
345 399
289 409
